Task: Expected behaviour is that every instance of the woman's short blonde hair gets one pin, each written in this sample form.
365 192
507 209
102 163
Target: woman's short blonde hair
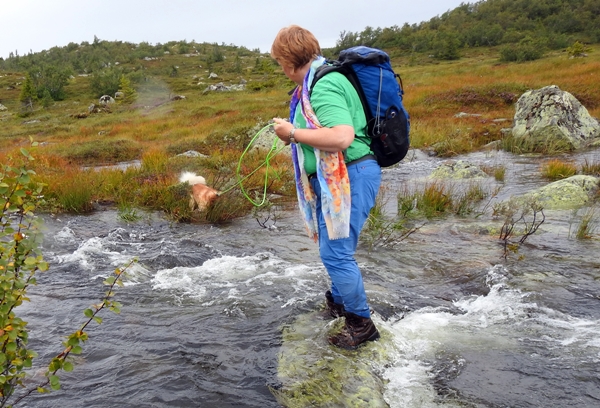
295 46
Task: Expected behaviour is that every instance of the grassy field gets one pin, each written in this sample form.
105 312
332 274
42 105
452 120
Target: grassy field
156 128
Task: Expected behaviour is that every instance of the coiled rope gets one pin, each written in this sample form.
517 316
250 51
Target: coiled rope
273 151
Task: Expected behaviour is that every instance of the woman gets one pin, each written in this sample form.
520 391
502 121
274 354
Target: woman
337 176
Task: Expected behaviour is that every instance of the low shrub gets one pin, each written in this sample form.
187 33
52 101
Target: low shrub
103 151
487 96
526 50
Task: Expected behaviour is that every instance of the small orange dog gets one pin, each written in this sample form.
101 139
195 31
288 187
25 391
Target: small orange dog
202 195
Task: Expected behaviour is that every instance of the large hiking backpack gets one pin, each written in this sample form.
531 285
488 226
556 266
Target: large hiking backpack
380 91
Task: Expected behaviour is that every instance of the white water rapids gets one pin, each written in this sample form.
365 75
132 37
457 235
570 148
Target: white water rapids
203 310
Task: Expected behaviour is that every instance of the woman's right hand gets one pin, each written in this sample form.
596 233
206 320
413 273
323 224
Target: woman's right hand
283 129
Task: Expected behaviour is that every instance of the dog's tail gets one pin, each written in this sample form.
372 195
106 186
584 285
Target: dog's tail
191 178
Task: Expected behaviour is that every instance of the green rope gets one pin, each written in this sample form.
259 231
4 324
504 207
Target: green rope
270 154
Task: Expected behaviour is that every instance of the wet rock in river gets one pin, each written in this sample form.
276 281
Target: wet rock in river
314 373
458 170
569 193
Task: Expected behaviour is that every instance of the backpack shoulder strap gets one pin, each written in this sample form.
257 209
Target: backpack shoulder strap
329 66
348 72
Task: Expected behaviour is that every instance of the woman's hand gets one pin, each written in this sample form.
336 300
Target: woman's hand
283 129
334 139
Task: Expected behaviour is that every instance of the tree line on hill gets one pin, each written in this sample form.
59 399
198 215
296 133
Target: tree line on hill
523 29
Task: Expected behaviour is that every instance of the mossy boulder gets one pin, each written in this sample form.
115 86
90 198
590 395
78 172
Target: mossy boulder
458 170
312 373
569 193
550 116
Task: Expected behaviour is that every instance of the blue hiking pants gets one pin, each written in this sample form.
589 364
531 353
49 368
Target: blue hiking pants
337 255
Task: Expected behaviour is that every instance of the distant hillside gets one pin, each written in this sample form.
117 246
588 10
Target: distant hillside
531 25
518 30
537 24
98 68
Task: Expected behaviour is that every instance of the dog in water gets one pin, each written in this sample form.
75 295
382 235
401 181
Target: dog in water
202 195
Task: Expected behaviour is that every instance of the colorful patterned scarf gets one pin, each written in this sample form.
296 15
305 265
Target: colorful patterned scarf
331 173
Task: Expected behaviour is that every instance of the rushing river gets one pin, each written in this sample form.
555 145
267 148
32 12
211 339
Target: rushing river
204 309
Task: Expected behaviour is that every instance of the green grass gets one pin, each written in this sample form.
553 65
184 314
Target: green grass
557 169
155 129
588 224
498 172
590 168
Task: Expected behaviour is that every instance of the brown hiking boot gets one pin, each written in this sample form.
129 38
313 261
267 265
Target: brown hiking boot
355 332
332 310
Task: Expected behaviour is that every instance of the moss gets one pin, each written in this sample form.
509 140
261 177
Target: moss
458 170
569 193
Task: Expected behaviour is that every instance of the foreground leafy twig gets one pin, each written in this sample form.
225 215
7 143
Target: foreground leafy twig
20 260
72 345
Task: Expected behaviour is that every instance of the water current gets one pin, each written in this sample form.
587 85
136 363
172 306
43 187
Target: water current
205 307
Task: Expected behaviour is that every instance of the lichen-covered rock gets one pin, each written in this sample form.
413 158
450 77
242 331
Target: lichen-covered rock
313 373
221 87
569 193
550 116
106 100
458 170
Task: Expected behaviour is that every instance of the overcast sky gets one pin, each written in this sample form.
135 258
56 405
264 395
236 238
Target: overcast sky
42 24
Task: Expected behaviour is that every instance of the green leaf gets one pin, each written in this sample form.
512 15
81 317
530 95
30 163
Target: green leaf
98 319
76 350
55 382
30 260
73 341
54 365
88 312
110 280
24 179
68 367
